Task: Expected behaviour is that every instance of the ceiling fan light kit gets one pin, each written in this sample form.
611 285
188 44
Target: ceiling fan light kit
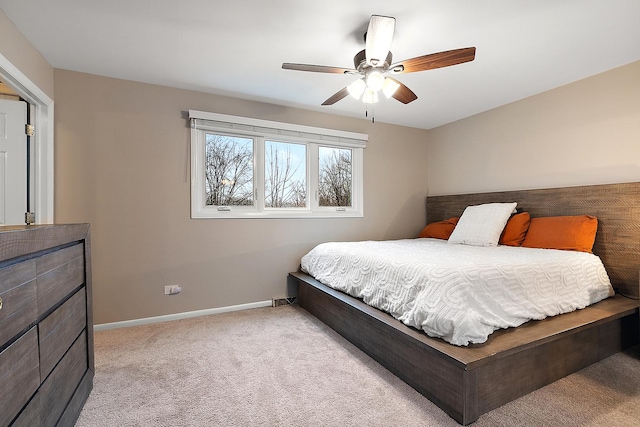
375 61
368 91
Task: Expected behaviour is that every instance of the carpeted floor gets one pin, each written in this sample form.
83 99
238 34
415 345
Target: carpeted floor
282 367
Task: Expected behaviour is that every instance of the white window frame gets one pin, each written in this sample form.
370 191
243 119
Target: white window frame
262 130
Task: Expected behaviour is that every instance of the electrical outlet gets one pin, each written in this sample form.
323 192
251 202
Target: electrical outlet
172 290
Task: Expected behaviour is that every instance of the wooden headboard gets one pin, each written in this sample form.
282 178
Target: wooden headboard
617 207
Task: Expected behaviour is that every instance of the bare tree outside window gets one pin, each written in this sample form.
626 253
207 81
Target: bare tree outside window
335 177
285 175
228 170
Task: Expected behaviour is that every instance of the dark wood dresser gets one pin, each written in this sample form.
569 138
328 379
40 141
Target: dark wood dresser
46 324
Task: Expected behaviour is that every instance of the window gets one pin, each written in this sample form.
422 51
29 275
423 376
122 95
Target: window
285 176
228 170
249 168
335 177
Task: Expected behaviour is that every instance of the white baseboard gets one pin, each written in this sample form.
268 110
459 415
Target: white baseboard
177 316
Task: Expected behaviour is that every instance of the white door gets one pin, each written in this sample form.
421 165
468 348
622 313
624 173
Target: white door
13 162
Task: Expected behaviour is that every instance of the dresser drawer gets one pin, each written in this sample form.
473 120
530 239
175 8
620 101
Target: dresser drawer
57 390
60 329
19 375
59 273
30 416
18 308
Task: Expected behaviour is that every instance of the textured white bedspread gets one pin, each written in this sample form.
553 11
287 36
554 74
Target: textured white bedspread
460 293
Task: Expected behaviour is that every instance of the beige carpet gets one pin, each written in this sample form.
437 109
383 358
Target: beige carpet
282 367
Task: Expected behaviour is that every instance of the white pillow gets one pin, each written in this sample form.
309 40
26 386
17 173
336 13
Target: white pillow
482 225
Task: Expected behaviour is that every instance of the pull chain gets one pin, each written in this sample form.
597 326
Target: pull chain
373 112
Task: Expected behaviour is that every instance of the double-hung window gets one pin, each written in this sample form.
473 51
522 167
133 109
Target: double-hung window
250 168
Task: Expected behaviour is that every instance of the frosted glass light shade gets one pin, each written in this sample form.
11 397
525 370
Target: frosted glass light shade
390 86
370 96
356 88
375 80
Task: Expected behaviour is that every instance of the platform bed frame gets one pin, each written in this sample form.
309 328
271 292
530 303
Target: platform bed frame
467 382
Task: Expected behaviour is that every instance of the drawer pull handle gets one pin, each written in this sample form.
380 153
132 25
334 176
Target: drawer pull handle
0 303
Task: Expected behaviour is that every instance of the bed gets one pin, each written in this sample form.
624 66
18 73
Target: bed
471 380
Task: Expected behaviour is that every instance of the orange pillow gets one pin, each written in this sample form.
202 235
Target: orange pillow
440 229
515 230
575 233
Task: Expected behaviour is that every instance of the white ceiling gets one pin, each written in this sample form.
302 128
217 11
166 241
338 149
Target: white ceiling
236 48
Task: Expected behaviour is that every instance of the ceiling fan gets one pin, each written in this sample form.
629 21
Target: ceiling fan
374 64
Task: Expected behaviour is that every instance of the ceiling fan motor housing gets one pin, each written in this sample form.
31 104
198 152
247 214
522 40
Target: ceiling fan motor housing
360 62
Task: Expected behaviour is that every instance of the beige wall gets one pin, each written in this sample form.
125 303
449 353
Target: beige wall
122 164
583 133
22 55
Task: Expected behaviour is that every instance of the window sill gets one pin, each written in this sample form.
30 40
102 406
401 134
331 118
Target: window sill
274 214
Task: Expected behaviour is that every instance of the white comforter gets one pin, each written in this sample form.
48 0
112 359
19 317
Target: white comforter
457 292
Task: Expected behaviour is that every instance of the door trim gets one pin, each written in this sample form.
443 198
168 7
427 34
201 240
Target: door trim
43 152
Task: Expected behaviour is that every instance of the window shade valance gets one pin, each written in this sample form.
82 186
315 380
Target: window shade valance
215 121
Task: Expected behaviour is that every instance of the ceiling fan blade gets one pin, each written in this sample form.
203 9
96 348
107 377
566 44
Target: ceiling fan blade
378 39
403 93
336 97
318 68
434 60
